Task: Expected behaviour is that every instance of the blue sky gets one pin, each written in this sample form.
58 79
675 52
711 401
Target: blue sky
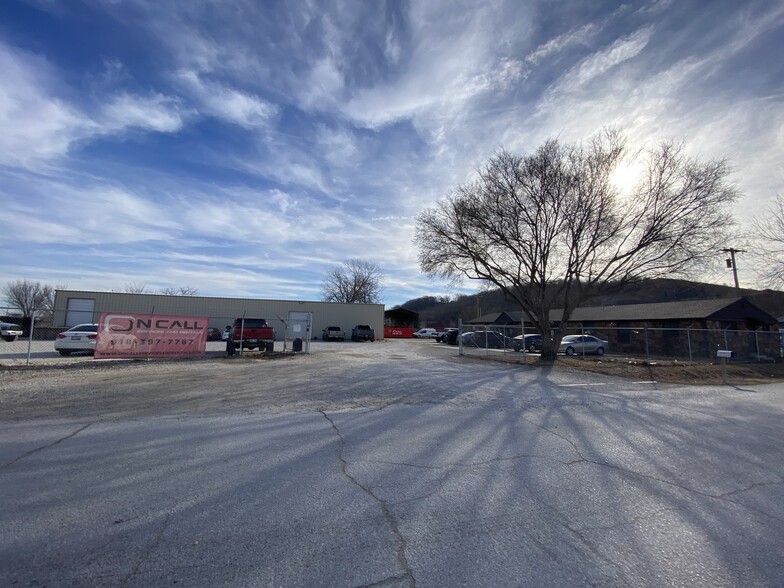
244 147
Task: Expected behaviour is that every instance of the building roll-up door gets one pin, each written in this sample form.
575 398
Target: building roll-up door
80 310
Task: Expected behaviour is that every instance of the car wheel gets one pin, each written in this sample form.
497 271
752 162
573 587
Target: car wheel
9 338
64 352
372 339
570 351
600 351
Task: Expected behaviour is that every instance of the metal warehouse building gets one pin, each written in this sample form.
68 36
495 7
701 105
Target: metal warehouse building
72 307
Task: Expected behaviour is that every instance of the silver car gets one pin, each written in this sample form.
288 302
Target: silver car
580 344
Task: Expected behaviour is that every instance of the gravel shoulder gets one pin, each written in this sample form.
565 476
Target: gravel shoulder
334 376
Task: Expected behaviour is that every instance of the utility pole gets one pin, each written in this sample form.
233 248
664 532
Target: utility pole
732 265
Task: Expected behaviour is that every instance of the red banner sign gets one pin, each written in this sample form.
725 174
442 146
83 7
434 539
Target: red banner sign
145 336
398 332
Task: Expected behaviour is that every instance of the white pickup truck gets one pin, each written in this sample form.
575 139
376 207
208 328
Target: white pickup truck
333 334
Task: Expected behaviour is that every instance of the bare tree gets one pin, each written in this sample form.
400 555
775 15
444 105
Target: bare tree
29 296
181 291
135 287
547 227
356 280
769 229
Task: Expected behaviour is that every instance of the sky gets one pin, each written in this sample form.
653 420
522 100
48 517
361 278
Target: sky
244 148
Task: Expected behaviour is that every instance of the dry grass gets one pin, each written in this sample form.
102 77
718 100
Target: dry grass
679 372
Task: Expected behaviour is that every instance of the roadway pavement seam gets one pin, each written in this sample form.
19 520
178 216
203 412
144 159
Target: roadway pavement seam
37 449
401 549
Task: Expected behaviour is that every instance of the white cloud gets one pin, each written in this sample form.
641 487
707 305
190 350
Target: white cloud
229 104
40 125
153 113
554 46
603 61
36 125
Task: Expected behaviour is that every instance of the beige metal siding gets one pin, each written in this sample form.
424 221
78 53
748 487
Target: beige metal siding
222 310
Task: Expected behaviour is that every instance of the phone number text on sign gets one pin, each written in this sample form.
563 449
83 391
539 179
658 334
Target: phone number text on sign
149 336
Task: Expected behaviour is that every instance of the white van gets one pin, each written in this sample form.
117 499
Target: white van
426 334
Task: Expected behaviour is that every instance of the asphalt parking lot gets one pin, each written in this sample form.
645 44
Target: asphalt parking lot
395 463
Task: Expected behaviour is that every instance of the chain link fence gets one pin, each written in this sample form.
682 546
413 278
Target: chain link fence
650 343
27 340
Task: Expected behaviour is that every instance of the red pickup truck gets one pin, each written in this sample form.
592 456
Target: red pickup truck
249 333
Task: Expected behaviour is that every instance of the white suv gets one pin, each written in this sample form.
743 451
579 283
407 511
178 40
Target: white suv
426 333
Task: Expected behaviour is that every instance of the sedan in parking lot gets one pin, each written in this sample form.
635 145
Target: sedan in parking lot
531 343
486 339
580 344
214 334
77 338
10 331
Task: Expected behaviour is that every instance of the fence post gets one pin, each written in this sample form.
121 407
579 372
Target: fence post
756 341
647 352
30 338
525 351
688 338
460 336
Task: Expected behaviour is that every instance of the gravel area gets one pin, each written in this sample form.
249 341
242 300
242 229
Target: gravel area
333 376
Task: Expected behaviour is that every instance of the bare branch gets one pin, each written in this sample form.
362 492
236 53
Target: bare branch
356 281
29 296
769 228
547 226
181 291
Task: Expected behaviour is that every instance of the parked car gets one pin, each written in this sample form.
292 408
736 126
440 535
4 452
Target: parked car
249 333
486 339
363 333
77 338
333 334
531 343
450 337
580 344
444 336
10 331
214 334
427 333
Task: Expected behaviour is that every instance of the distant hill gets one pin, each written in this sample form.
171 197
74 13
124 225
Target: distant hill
440 311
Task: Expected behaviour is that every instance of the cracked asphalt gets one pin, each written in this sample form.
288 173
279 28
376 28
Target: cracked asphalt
395 463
